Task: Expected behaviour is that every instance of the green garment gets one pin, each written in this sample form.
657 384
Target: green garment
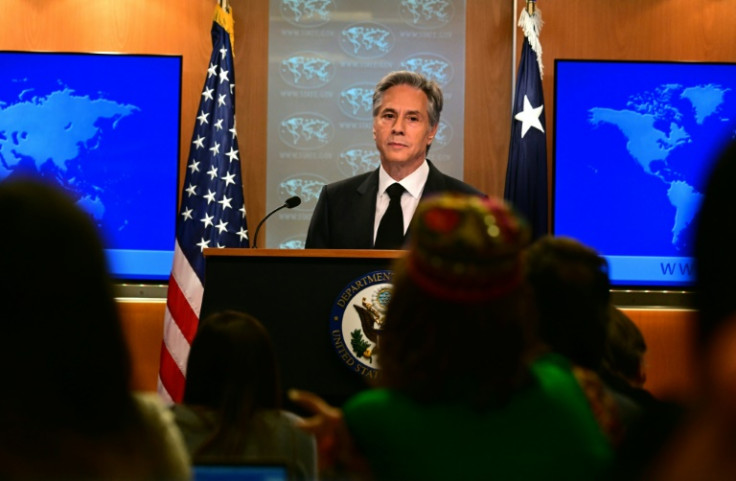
546 432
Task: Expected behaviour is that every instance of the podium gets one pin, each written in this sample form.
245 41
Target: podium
293 292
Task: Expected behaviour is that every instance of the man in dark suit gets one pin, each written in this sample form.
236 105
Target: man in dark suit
350 213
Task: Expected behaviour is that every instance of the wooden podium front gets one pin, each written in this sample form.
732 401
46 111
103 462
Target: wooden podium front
292 292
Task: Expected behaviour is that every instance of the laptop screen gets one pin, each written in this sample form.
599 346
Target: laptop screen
240 472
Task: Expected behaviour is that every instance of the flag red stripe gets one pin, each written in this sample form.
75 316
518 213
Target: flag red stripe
181 311
171 377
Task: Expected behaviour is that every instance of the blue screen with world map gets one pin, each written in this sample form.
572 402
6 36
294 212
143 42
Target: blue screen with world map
105 129
634 143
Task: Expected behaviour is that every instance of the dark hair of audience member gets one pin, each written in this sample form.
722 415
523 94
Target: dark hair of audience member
572 291
66 409
64 358
438 344
715 286
232 369
625 348
696 442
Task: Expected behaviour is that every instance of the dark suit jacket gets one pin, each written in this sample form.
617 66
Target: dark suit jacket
345 211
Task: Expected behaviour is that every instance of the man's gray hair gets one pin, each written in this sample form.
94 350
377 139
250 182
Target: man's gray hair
405 77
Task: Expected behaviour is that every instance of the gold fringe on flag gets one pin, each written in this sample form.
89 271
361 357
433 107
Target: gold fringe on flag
224 17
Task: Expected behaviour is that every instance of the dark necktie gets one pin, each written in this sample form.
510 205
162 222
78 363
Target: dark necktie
390 233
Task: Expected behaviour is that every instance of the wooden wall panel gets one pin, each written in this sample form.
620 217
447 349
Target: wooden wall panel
143 323
251 69
487 93
671 367
670 359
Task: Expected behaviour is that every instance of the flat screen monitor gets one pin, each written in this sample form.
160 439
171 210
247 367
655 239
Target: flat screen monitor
634 143
105 128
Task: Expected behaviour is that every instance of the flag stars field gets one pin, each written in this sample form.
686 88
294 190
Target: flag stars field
229 179
243 234
225 202
207 220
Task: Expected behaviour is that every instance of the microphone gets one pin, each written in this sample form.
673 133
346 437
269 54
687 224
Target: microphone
289 203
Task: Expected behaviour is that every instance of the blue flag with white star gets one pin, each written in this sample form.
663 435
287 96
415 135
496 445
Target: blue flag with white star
526 172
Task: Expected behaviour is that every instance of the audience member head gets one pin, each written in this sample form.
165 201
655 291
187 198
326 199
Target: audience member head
572 292
67 411
455 325
63 359
700 445
625 348
715 254
715 293
232 369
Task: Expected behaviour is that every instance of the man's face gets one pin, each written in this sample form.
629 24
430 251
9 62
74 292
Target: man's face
401 128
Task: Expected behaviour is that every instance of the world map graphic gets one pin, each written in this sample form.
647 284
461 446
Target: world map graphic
54 136
105 129
634 144
659 129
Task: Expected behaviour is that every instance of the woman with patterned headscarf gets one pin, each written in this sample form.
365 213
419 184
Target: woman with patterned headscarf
461 394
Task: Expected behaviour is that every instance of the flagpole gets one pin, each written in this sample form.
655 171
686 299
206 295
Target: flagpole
513 54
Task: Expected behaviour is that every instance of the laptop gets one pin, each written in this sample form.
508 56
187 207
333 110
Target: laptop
245 471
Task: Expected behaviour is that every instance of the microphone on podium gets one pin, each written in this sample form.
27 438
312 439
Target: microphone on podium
289 203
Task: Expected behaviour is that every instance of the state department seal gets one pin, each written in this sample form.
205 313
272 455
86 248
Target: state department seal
357 318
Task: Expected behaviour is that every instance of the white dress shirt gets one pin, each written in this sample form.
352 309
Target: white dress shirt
413 184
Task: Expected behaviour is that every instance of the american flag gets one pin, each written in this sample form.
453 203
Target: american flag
212 210
526 172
